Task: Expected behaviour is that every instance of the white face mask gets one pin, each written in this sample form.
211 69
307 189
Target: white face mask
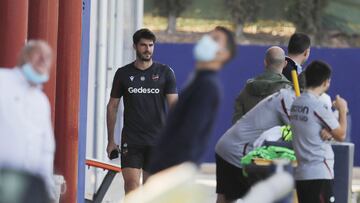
205 49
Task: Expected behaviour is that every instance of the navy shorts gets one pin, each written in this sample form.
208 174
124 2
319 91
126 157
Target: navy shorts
230 180
135 156
315 191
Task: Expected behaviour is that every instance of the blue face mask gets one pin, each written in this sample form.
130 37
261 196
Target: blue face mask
205 49
32 76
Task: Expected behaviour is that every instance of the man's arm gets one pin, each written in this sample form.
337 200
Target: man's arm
171 100
112 109
170 89
339 133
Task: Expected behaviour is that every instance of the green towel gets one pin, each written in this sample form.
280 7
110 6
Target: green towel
269 153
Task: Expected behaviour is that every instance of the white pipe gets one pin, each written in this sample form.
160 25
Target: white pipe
110 44
129 25
118 61
90 139
119 34
100 87
101 80
139 10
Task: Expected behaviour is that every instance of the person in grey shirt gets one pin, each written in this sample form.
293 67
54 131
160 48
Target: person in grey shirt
239 139
313 126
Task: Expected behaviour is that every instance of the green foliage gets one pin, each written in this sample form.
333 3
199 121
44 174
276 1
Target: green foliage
307 15
343 15
171 7
243 11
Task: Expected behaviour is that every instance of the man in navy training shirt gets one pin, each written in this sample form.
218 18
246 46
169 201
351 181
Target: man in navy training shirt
147 87
189 125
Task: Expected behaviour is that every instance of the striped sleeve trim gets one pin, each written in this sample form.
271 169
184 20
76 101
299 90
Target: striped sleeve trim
284 108
323 121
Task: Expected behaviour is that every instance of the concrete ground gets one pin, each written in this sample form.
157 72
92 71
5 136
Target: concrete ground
116 191
205 178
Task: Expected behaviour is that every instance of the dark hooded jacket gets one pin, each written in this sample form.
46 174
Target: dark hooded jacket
257 89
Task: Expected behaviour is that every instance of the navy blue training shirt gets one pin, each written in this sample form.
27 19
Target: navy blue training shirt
144 93
188 128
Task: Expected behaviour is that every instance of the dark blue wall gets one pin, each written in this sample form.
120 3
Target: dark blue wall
249 62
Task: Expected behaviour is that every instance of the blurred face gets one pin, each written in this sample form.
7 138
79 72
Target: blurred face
326 85
223 54
144 49
40 58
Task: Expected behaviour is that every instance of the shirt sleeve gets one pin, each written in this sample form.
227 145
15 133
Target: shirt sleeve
117 91
48 156
285 107
170 85
326 118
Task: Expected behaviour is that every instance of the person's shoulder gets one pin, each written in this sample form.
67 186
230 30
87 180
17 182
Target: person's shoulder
318 104
124 69
162 66
5 71
306 100
8 74
289 92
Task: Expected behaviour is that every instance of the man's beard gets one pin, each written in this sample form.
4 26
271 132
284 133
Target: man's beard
142 57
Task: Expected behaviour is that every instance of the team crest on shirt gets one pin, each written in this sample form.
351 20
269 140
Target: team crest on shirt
142 78
132 78
155 77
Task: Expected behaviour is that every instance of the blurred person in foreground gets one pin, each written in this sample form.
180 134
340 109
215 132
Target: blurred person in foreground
27 142
189 124
298 53
269 82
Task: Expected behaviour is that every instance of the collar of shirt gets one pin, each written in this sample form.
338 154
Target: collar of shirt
309 94
299 68
24 81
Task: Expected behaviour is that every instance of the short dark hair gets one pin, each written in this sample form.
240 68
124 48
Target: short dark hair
298 43
316 73
231 40
143 34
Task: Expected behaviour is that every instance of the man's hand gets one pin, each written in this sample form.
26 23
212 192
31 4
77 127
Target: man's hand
340 104
110 147
325 135
111 112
